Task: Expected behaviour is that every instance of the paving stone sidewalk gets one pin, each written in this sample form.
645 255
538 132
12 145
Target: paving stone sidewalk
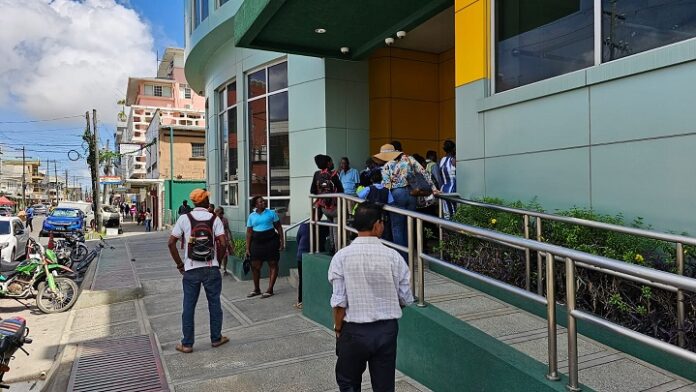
272 346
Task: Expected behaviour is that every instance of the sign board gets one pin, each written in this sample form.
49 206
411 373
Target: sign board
122 189
112 180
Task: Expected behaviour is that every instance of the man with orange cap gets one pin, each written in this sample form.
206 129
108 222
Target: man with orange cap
204 236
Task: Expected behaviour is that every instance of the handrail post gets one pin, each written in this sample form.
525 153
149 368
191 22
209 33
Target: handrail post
421 271
572 327
551 318
339 224
409 228
312 239
527 257
439 227
316 229
539 261
344 227
681 338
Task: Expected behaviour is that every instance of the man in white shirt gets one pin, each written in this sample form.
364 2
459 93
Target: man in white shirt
204 236
370 286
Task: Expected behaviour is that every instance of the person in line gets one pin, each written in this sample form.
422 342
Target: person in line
366 325
211 208
350 178
394 177
325 180
148 220
448 173
30 218
431 166
184 208
397 145
264 241
302 248
229 250
133 212
377 193
204 234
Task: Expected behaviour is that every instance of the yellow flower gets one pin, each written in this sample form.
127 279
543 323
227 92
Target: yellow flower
493 221
638 258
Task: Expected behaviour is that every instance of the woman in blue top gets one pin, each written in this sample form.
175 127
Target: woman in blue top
264 241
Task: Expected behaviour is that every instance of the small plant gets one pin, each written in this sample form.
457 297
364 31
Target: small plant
239 247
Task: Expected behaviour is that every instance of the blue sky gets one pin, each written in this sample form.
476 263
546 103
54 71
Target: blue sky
160 22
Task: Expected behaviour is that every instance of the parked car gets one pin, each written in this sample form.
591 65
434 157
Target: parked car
110 217
83 206
40 209
5 211
63 220
13 240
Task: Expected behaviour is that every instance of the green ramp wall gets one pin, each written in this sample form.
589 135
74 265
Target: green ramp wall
176 191
437 349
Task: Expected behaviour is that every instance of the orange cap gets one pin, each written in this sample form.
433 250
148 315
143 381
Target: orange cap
198 195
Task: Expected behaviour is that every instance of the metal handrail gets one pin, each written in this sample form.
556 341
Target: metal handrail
571 257
287 229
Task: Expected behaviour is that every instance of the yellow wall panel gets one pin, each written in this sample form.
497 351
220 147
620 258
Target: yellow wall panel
376 143
413 55
471 42
379 77
460 4
415 146
414 119
446 79
447 126
414 80
380 117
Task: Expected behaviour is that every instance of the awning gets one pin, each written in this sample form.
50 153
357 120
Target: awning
295 26
5 202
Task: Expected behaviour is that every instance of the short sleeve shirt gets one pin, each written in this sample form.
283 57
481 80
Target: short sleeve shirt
263 221
183 228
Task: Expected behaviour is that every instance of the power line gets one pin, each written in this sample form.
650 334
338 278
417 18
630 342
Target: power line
43 120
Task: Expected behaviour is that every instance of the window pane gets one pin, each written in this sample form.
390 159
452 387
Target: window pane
149 89
222 125
258 147
222 2
204 9
635 26
197 150
166 91
222 103
230 194
279 144
196 13
282 208
231 94
539 39
257 83
231 142
278 77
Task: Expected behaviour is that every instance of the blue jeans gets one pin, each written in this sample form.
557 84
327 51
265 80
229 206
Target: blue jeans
148 224
402 199
211 280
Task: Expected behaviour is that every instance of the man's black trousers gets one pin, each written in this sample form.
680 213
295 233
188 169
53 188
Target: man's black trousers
363 344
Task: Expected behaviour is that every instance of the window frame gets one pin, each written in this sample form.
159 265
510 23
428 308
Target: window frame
223 113
597 47
197 13
198 146
247 127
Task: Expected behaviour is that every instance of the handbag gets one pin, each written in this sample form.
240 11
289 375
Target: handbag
418 184
246 264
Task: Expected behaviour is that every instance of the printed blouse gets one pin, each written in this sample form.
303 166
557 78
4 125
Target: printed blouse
394 172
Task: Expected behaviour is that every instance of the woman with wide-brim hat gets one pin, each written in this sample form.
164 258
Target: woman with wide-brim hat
395 171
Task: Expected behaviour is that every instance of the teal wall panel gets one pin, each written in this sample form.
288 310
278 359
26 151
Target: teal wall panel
619 173
469 126
646 105
558 178
553 122
471 178
308 111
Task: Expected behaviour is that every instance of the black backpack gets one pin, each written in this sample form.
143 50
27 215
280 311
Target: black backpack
378 195
325 184
201 246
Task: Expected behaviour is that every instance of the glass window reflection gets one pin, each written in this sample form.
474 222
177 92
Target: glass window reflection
278 77
257 83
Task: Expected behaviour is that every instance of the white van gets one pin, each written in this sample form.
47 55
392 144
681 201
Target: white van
83 206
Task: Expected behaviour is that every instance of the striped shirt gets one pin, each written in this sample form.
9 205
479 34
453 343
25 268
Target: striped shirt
369 280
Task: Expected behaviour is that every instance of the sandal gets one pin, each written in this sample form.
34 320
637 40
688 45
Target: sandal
254 294
220 342
184 349
297 305
266 295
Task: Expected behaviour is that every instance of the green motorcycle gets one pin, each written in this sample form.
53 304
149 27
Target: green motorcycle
40 275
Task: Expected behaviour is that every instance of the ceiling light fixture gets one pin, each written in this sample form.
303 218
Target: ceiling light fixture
320 31
345 50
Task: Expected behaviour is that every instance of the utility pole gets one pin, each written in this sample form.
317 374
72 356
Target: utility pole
95 172
24 179
55 174
67 185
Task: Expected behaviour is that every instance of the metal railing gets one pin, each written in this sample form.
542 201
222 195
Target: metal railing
293 226
678 240
553 254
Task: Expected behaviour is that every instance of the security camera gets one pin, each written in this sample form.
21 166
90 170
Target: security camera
389 41
400 34
345 49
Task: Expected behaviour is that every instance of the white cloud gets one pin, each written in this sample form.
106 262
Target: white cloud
65 57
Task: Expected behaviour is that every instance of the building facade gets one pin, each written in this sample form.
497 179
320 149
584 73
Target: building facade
584 104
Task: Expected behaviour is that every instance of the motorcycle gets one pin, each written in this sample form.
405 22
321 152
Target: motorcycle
71 249
13 335
40 276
